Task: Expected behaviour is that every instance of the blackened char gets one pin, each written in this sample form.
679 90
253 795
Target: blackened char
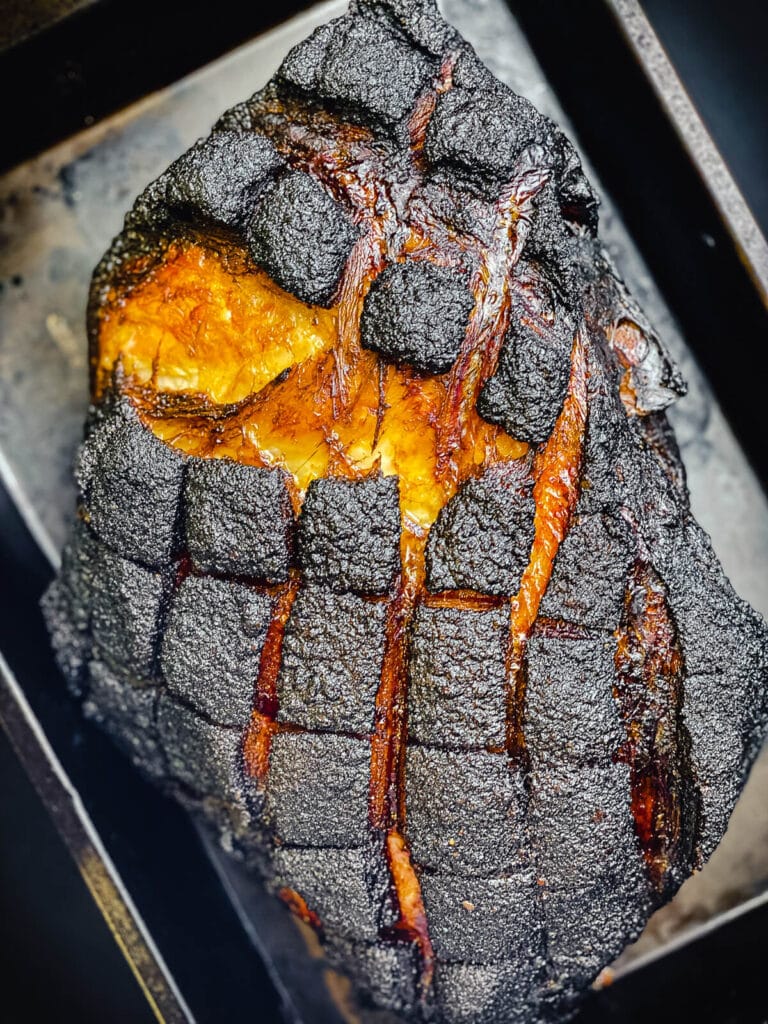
364 67
457 677
464 811
212 646
482 538
128 712
126 623
347 889
130 484
317 791
417 313
220 178
483 920
238 519
332 655
349 534
589 577
525 394
301 236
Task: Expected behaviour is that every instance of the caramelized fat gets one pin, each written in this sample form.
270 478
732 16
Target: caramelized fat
204 328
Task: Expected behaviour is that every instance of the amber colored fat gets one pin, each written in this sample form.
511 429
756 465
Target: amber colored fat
413 918
219 333
296 902
557 475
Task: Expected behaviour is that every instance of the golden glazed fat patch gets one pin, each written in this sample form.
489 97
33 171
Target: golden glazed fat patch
258 368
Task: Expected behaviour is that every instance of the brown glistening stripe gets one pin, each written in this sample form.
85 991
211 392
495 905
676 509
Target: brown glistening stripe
649 695
263 724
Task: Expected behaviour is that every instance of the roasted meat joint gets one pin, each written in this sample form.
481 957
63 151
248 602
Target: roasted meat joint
383 563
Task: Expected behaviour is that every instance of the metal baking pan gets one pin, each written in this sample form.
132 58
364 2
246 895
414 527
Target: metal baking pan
201 937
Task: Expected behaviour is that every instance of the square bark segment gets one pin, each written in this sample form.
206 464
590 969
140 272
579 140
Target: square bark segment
205 758
463 810
417 313
571 715
238 519
317 789
496 993
301 236
343 887
589 575
220 177
349 534
481 920
333 651
481 540
127 604
212 645
130 483
593 875
457 671
363 66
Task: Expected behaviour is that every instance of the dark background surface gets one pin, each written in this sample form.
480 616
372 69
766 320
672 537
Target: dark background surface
57 959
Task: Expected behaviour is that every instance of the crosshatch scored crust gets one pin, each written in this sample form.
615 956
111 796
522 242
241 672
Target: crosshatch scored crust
384 562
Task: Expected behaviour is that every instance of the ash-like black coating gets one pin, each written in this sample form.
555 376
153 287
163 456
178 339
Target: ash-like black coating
544 881
579 204
497 993
479 125
205 758
301 236
238 519
584 844
589 576
718 631
525 394
220 177
130 483
71 646
333 649
482 538
456 696
607 436
720 722
349 534
621 474
128 602
386 974
554 246
464 810
417 313
67 604
586 851
212 645
317 790
80 568
481 920
570 713
419 21
346 888
364 67
723 642
128 713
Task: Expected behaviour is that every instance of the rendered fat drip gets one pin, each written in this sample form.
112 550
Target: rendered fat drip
384 563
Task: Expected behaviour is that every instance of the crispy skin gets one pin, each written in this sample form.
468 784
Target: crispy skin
384 563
